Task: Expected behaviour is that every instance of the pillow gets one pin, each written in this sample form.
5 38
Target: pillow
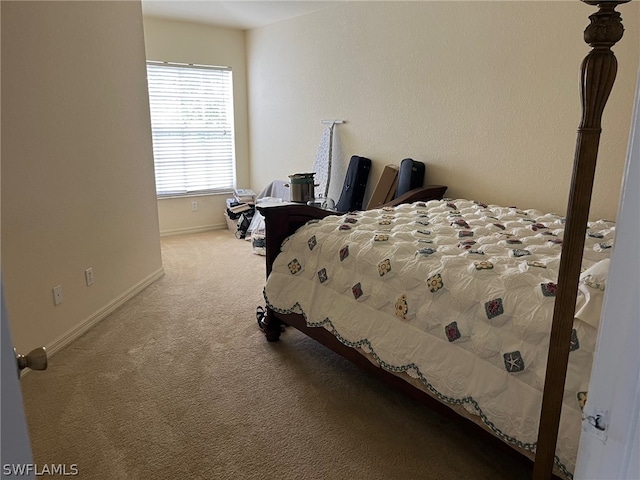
596 275
591 293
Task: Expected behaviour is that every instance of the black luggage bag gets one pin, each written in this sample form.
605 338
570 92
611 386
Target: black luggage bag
355 184
410 176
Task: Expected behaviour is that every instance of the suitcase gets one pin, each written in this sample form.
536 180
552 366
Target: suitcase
355 184
410 176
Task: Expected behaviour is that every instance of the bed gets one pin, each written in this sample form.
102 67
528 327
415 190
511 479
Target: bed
482 310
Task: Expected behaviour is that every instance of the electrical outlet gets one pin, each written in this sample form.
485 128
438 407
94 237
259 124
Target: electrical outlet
57 294
194 206
88 274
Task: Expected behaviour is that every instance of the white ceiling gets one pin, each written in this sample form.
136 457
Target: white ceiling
242 14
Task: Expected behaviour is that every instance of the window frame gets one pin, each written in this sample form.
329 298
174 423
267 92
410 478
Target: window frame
175 136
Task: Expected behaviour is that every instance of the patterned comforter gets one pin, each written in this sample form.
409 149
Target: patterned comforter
457 294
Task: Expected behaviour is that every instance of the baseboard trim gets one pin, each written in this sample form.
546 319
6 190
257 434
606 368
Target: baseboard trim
71 335
199 229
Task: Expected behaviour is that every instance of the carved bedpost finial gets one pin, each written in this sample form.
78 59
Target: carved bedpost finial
600 66
606 25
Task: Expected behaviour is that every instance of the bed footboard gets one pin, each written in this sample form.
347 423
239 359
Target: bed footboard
280 222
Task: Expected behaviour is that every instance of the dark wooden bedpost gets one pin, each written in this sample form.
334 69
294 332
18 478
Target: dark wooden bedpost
598 74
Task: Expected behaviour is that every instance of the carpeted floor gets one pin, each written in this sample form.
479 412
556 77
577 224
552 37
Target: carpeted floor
180 384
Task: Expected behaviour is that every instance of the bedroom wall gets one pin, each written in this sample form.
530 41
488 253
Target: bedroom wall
176 41
77 171
485 93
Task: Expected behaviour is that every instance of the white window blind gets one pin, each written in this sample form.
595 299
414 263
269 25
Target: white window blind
192 128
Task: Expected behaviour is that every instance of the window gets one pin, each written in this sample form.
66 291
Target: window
192 128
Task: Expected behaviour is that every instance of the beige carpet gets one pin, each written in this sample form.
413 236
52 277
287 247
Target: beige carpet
180 384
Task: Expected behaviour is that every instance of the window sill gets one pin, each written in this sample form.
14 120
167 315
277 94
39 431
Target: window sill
191 195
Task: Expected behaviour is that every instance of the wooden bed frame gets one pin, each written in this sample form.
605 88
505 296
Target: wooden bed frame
598 73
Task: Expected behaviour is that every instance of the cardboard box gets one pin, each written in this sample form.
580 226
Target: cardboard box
392 191
385 188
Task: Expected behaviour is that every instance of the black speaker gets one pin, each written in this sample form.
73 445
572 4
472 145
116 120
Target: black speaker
410 176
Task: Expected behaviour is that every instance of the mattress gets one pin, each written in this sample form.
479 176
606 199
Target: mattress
457 294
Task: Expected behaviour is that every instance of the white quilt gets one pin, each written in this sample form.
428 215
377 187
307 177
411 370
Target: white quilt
456 293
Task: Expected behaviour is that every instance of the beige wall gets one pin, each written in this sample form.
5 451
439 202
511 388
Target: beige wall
175 41
77 171
485 93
